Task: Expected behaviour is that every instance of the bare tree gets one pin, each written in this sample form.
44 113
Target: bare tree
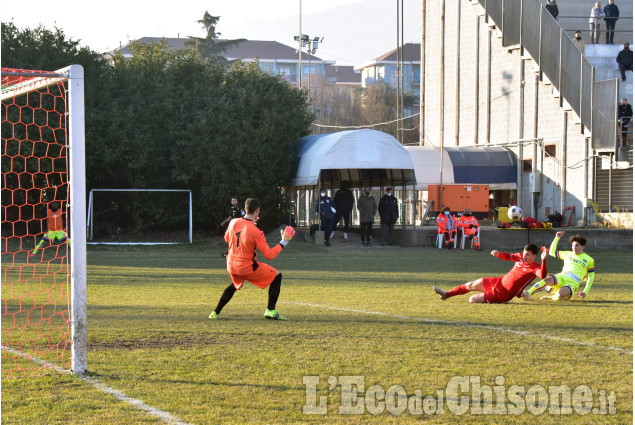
337 108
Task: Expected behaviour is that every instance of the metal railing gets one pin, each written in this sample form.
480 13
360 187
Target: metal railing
623 31
626 131
529 24
604 114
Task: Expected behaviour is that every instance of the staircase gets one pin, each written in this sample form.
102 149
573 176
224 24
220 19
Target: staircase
602 57
574 15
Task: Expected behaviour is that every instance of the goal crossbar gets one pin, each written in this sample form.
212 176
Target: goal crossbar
90 220
17 82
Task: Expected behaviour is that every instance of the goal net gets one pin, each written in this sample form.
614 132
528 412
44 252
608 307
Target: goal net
43 222
139 216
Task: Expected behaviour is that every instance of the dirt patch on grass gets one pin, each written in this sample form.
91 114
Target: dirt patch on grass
164 342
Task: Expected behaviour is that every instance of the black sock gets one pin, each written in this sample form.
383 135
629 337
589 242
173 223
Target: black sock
274 292
228 293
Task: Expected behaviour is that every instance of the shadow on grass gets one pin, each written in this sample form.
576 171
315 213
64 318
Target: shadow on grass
351 259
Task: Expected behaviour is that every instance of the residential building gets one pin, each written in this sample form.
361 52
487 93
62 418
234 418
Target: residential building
345 78
272 56
384 69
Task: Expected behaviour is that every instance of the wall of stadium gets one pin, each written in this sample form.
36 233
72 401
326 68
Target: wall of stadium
491 95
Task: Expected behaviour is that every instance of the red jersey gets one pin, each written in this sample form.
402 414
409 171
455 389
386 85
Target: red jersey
243 237
521 275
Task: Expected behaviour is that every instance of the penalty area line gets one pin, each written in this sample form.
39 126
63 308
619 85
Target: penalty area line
160 414
467 325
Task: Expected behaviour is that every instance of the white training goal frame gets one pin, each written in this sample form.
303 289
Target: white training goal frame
74 76
89 224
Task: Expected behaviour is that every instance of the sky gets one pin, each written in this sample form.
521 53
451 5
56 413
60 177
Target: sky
354 31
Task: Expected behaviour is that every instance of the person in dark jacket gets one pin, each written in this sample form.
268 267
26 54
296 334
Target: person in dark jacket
624 115
344 205
367 208
611 13
325 208
388 213
552 8
234 212
625 60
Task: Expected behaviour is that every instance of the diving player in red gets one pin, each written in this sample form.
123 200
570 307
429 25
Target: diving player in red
243 237
503 288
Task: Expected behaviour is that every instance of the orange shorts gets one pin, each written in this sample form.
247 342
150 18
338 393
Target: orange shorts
262 276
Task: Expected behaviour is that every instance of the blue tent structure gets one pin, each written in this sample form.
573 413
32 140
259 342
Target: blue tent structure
491 165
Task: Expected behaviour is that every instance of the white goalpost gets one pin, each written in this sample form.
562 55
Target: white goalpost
19 88
90 222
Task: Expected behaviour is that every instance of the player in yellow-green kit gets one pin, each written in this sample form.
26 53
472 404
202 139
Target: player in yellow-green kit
578 267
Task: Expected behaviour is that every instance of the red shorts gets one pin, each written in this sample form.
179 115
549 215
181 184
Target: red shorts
261 277
494 291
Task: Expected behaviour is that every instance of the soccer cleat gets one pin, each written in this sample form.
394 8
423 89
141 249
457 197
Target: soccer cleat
345 235
327 244
556 297
214 315
363 245
526 295
273 315
367 244
440 292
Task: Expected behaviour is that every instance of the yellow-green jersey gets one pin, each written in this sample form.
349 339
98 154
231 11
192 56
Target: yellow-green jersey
576 267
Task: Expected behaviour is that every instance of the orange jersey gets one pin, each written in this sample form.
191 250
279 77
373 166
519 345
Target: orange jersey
243 237
54 220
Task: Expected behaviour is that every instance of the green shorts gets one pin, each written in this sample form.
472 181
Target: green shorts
564 280
59 234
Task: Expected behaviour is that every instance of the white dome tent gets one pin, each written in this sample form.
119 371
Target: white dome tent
361 157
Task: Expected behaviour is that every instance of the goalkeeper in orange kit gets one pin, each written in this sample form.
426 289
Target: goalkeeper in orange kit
53 226
243 238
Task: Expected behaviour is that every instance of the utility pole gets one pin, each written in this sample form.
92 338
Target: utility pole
300 47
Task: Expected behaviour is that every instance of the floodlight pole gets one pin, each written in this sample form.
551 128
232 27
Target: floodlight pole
300 47
312 45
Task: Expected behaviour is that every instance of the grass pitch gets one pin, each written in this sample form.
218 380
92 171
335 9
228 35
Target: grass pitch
366 313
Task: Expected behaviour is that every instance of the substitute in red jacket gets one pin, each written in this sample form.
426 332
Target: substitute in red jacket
446 224
469 224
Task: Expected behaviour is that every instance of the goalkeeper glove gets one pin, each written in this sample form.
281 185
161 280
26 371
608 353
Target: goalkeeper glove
286 235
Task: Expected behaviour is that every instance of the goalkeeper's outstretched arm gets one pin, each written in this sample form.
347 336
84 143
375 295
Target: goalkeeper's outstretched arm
271 253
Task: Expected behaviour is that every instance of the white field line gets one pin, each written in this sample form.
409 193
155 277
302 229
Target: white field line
160 414
466 324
